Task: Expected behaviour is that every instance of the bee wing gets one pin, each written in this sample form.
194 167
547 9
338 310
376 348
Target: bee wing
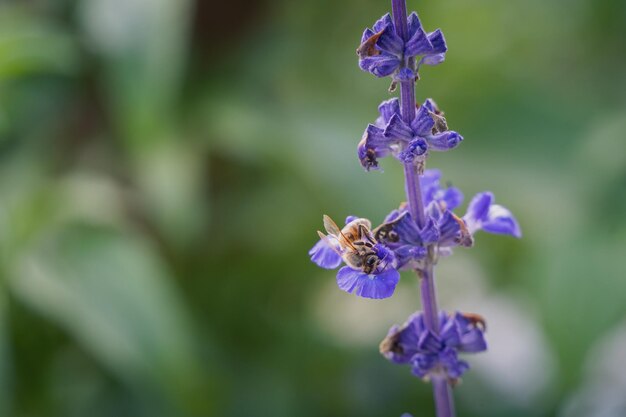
332 229
332 242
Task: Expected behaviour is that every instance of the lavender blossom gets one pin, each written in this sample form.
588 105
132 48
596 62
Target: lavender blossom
483 214
382 52
435 354
425 228
443 227
408 142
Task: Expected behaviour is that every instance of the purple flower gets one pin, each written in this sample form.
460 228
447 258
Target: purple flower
374 144
426 126
429 353
378 285
324 256
400 233
378 280
409 142
483 214
382 52
430 184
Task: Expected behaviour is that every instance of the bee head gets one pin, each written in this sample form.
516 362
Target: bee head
372 261
382 256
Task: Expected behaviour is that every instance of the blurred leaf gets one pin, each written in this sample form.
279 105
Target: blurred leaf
31 44
170 183
143 45
6 370
583 293
113 295
28 206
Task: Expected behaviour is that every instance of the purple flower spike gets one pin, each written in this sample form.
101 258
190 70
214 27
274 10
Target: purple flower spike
435 354
422 229
483 214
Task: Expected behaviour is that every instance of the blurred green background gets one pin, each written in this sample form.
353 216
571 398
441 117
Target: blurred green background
164 165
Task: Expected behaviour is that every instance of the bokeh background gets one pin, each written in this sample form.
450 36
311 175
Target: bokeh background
164 165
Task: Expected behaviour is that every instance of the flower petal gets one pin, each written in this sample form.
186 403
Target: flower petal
407 231
423 363
388 108
478 208
416 148
413 24
400 345
380 65
383 22
405 74
429 342
375 137
444 141
376 286
450 361
418 43
406 254
324 256
431 60
430 233
390 42
430 104
398 129
373 145
450 229
449 332
501 221
367 33
453 197
438 42
423 123
429 183
473 341
350 218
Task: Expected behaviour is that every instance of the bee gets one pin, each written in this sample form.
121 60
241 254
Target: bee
354 243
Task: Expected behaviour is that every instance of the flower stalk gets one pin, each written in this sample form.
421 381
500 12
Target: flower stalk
444 401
